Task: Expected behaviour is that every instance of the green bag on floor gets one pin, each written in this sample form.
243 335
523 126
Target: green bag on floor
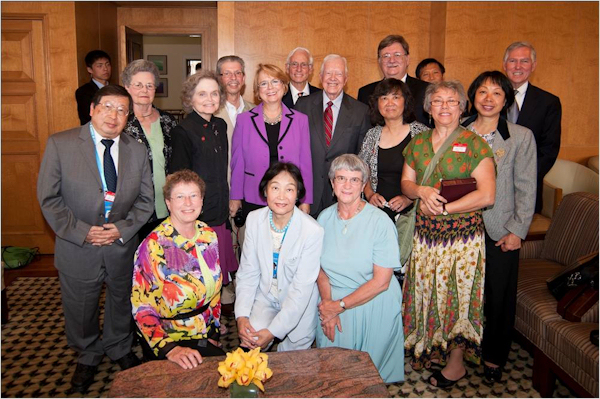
14 257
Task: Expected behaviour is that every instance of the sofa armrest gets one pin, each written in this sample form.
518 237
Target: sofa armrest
531 249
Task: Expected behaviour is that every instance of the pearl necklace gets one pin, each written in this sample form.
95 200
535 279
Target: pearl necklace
345 229
275 229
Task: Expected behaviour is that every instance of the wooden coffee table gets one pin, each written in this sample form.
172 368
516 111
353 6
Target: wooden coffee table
312 373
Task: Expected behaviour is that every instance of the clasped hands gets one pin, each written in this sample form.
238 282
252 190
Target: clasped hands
431 201
250 338
103 235
329 311
396 204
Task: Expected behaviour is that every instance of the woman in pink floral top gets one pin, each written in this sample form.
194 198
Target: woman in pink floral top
177 280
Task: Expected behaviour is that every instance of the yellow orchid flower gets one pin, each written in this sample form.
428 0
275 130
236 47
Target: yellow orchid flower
245 376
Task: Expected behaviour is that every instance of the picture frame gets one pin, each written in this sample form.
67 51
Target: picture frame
191 65
161 63
163 88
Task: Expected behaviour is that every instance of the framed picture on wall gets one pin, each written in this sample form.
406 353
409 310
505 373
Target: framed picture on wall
163 88
193 66
160 61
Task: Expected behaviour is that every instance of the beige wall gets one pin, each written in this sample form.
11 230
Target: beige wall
468 37
177 49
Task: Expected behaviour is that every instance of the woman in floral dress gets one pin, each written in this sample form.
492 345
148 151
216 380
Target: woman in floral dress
443 291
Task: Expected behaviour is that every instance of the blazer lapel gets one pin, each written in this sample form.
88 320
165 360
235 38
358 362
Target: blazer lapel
529 104
342 121
88 150
290 237
286 121
124 157
259 123
266 245
317 117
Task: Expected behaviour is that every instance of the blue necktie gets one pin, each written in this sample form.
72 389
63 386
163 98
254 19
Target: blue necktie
110 172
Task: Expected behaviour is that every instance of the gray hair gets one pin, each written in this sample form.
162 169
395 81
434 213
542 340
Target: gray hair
137 66
189 88
310 57
453 85
349 162
230 58
517 45
333 57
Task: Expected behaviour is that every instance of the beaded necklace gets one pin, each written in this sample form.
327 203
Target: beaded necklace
275 229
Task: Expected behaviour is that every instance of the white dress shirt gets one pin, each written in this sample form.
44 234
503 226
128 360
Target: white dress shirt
520 96
234 112
114 149
99 84
337 103
294 91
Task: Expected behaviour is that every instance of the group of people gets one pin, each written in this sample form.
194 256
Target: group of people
317 179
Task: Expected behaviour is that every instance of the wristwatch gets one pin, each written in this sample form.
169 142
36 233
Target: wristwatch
342 304
444 211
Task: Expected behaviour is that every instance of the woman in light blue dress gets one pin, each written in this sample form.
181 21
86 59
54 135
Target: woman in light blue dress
361 300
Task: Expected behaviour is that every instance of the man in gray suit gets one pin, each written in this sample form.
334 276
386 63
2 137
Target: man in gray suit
95 191
338 124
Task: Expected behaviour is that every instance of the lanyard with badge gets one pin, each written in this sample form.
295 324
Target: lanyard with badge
109 196
276 254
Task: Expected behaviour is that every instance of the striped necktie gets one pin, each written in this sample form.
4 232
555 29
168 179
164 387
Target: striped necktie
110 172
328 119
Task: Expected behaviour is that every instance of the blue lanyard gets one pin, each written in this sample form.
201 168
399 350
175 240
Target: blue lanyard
107 204
276 254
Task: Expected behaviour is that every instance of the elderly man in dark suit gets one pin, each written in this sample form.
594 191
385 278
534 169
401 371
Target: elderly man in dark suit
299 68
98 66
95 191
533 108
338 124
393 58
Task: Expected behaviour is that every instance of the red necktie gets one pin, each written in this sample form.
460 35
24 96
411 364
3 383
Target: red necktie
328 119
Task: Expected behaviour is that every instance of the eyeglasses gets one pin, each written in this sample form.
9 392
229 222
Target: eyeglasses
140 86
295 65
388 56
109 108
451 103
180 198
228 74
355 181
265 83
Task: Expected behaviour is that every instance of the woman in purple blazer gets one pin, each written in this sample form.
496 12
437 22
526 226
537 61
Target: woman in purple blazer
268 133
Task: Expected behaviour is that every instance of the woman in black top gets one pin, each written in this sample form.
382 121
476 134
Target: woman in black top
200 144
395 125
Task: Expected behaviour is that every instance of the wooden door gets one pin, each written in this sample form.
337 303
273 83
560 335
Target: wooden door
25 111
134 42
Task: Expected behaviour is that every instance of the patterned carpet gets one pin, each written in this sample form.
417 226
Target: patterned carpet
36 361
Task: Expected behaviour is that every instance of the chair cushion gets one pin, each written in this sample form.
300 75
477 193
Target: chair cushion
573 230
568 345
535 304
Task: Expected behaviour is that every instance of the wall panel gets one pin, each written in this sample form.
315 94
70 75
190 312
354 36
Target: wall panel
468 37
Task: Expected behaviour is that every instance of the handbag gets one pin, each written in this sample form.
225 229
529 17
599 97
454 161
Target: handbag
454 189
405 222
582 271
14 257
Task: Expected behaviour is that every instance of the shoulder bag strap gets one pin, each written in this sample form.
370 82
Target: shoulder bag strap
440 151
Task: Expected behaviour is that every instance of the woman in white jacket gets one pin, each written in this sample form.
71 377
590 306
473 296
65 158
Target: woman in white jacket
276 291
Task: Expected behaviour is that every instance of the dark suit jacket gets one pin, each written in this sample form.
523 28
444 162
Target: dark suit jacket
541 112
350 129
250 156
289 102
70 194
417 89
84 96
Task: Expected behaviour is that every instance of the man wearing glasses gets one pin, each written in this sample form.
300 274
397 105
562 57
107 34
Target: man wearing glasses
95 191
231 70
393 58
299 68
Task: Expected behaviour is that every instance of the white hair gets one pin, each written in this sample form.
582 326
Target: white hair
310 57
517 45
333 57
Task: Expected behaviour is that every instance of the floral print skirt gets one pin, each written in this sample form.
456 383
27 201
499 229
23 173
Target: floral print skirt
443 289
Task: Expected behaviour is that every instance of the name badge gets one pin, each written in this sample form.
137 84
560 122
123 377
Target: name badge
459 147
109 196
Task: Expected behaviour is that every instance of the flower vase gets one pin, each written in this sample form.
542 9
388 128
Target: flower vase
243 391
